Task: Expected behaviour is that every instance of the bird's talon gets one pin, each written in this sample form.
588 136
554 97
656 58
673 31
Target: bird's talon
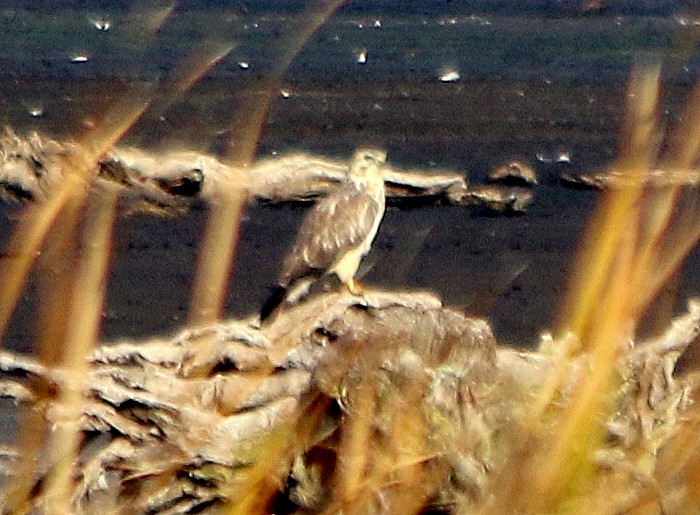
356 289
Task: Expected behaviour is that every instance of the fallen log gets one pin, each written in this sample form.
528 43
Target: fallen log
32 167
657 178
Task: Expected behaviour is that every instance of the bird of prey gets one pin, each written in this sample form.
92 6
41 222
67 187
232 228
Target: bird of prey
336 233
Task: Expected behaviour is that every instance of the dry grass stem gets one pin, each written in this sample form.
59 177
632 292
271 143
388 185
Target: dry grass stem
218 246
81 334
620 272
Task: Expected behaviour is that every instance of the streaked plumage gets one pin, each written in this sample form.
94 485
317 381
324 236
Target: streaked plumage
336 233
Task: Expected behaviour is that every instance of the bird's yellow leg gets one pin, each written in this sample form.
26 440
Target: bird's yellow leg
355 288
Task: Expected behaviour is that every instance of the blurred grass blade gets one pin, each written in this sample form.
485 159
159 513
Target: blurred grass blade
600 312
680 157
684 145
611 220
81 334
668 241
22 251
264 479
54 285
60 343
207 54
32 227
566 468
356 445
216 252
147 18
219 243
248 122
110 127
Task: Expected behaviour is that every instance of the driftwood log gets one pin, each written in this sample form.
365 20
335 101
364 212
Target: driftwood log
610 179
173 425
31 168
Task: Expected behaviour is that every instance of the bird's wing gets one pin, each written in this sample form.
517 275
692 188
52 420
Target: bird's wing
338 223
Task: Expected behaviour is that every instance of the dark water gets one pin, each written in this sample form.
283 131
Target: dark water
534 80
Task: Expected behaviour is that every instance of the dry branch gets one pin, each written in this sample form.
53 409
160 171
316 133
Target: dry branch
613 179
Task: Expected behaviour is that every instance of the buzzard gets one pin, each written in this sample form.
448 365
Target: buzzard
335 234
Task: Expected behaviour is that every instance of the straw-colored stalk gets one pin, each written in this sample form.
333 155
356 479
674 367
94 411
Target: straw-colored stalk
81 334
635 243
601 318
218 246
74 328
254 493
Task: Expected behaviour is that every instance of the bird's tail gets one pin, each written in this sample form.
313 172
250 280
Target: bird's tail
276 297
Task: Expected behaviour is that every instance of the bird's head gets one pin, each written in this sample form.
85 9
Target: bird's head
367 163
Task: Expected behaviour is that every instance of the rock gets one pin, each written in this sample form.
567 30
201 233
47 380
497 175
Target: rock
515 173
